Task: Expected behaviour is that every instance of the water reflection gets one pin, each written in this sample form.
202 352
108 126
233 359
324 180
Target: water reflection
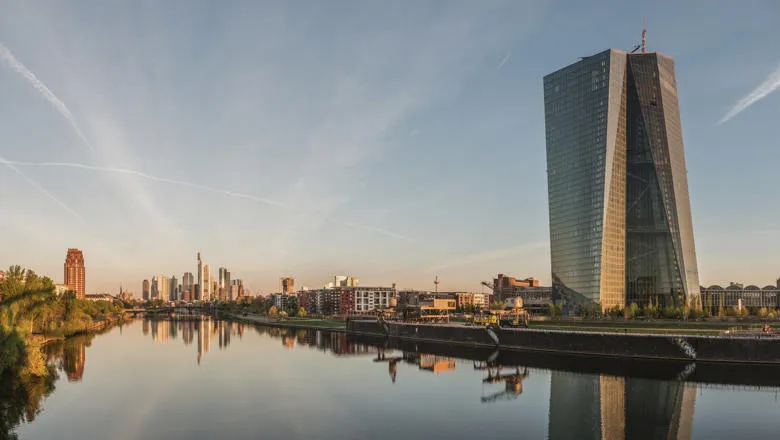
584 403
204 328
586 406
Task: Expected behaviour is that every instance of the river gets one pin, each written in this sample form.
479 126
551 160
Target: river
206 379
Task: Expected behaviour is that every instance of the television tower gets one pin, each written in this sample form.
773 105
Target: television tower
436 284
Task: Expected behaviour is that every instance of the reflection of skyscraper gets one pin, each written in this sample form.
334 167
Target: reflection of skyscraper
74 357
584 406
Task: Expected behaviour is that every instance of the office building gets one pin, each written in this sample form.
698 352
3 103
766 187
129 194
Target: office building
161 288
224 284
173 287
187 281
287 285
207 288
620 219
75 272
145 290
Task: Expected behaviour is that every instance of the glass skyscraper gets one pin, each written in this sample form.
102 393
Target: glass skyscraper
620 219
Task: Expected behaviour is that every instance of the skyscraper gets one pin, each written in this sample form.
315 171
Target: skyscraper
206 289
288 285
224 284
620 219
161 288
75 272
174 289
201 279
145 289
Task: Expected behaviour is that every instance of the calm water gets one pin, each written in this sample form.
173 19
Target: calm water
207 379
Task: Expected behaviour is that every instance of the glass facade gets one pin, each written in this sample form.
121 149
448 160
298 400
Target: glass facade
620 221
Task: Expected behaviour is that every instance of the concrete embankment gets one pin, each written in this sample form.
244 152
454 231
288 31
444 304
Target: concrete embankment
637 346
262 320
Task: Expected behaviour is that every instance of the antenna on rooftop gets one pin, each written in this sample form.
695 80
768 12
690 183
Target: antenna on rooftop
436 284
644 35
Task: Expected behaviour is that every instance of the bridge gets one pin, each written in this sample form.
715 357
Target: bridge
189 308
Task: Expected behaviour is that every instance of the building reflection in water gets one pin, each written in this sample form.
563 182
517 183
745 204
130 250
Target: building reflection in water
70 355
604 407
193 328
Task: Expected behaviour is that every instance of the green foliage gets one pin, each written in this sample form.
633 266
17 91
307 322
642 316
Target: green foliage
273 312
497 305
554 309
633 311
301 312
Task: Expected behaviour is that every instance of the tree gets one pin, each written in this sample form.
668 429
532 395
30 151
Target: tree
301 312
633 311
273 312
497 305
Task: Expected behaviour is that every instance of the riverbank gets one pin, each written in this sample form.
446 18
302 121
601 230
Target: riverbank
676 347
307 324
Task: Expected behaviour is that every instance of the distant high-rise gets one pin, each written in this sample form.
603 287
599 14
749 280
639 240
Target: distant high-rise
161 288
201 279
145 290
620 219
75 272
174 289
288 285
224 284
207 288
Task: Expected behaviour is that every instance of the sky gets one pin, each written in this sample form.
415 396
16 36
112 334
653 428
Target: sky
392 141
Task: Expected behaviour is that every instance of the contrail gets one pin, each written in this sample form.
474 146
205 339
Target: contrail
41 188
144 176
18 67
13 164
771 84
379 231
505 60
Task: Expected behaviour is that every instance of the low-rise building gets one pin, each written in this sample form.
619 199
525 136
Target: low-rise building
716 297
99 297
60 289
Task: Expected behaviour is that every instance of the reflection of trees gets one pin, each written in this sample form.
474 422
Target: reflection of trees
21 399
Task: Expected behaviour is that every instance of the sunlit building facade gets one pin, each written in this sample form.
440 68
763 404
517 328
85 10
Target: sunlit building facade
620 220
75 272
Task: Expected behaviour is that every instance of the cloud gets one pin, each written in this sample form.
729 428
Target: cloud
505 60
769 85
485 256
18 67
379 231
41 188
146 176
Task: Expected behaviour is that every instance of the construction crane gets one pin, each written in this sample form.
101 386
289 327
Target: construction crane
513 387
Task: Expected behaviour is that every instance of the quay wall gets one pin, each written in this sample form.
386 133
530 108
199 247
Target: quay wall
641 346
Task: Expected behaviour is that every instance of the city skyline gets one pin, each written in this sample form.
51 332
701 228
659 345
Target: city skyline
409 155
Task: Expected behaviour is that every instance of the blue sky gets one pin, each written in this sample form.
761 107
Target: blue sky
389 140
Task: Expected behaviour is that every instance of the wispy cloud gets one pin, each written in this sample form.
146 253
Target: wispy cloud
240 195
769 85
505 60
21 69
145 176
379 231
486 256
41 188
